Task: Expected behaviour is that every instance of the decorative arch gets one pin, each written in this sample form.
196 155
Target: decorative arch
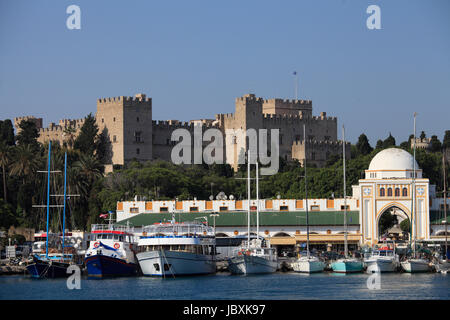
281 234
391 205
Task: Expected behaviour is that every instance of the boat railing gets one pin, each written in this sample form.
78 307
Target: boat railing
112 227
185 228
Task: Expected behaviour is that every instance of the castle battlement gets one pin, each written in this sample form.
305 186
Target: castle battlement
296 117
249 97
319 143
139 98
175 124
302 103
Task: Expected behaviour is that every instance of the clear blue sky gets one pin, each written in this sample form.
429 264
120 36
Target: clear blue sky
195 57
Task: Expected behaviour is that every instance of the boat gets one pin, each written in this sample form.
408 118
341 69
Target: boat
174 249
346 264
443 265
111 251
255 255
52 264
414 264
308 263
383 259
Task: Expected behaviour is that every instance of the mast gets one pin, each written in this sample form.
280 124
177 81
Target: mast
248 195
306 196
257 200
345 197
64 210
413 222
445 203
48 195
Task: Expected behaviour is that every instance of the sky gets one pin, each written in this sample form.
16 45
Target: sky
195 57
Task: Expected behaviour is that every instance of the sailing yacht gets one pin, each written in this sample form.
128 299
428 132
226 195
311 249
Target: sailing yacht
256 255
346 264
443 265
308 263
171 249
52 264
414 264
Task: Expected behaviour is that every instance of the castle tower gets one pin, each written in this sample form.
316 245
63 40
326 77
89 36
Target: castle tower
127 122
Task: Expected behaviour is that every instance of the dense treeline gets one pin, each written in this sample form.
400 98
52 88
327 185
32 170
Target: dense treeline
21 157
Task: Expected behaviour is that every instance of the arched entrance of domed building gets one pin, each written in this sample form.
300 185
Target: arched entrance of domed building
393 222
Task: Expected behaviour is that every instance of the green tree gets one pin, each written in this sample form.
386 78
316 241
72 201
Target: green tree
5 157
25 163
422 135
446 141
7 217
86 142
435 144
7 132
363 145
405 225
28 133
69 136
389 142
379 144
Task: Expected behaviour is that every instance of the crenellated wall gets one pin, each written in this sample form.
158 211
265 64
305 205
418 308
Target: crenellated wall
318 152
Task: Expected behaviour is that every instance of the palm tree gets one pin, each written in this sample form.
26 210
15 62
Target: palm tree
5 155
69 136
88 168
25 162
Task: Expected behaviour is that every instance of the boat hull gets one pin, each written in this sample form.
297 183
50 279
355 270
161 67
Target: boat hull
347 266
308 266
105 266
379 265
161 263
415 266
48 269
248 264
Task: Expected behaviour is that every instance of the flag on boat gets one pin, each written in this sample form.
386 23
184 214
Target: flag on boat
104 215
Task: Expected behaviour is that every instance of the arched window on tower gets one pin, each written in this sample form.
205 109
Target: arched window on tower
382 192
405 192
397 192
389 193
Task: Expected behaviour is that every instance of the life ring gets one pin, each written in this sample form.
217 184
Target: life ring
116 245
96 244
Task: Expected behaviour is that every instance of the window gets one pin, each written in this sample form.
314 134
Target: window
156 266
103 120
134 210
223 208
281 139
315 208
284 208
233 140
397 192
114 138
114 119
137 136
138 151
163 209
382 192
137 119
345 207
405 192
389 193
193 209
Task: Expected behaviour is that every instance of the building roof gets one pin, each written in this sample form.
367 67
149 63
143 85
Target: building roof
393 159
239 218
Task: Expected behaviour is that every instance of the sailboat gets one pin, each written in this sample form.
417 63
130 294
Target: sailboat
308 263
255 256
414 264
443 265
346 265
54 264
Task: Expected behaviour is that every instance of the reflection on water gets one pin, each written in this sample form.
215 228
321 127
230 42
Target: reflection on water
278 286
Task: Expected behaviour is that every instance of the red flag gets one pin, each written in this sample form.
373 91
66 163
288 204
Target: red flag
104 215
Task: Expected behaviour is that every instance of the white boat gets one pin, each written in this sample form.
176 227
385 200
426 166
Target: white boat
415 265
172 249
309 264
442 266
382 260
253 258
256 255
346 265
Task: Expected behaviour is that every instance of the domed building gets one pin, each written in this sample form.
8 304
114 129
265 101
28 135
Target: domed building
388 188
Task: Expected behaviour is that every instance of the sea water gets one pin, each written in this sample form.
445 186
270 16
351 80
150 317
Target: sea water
277 286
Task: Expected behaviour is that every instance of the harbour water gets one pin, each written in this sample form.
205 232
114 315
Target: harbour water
277 286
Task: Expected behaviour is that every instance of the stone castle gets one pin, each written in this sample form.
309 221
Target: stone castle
125 121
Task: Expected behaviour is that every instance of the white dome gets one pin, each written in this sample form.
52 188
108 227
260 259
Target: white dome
393 159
